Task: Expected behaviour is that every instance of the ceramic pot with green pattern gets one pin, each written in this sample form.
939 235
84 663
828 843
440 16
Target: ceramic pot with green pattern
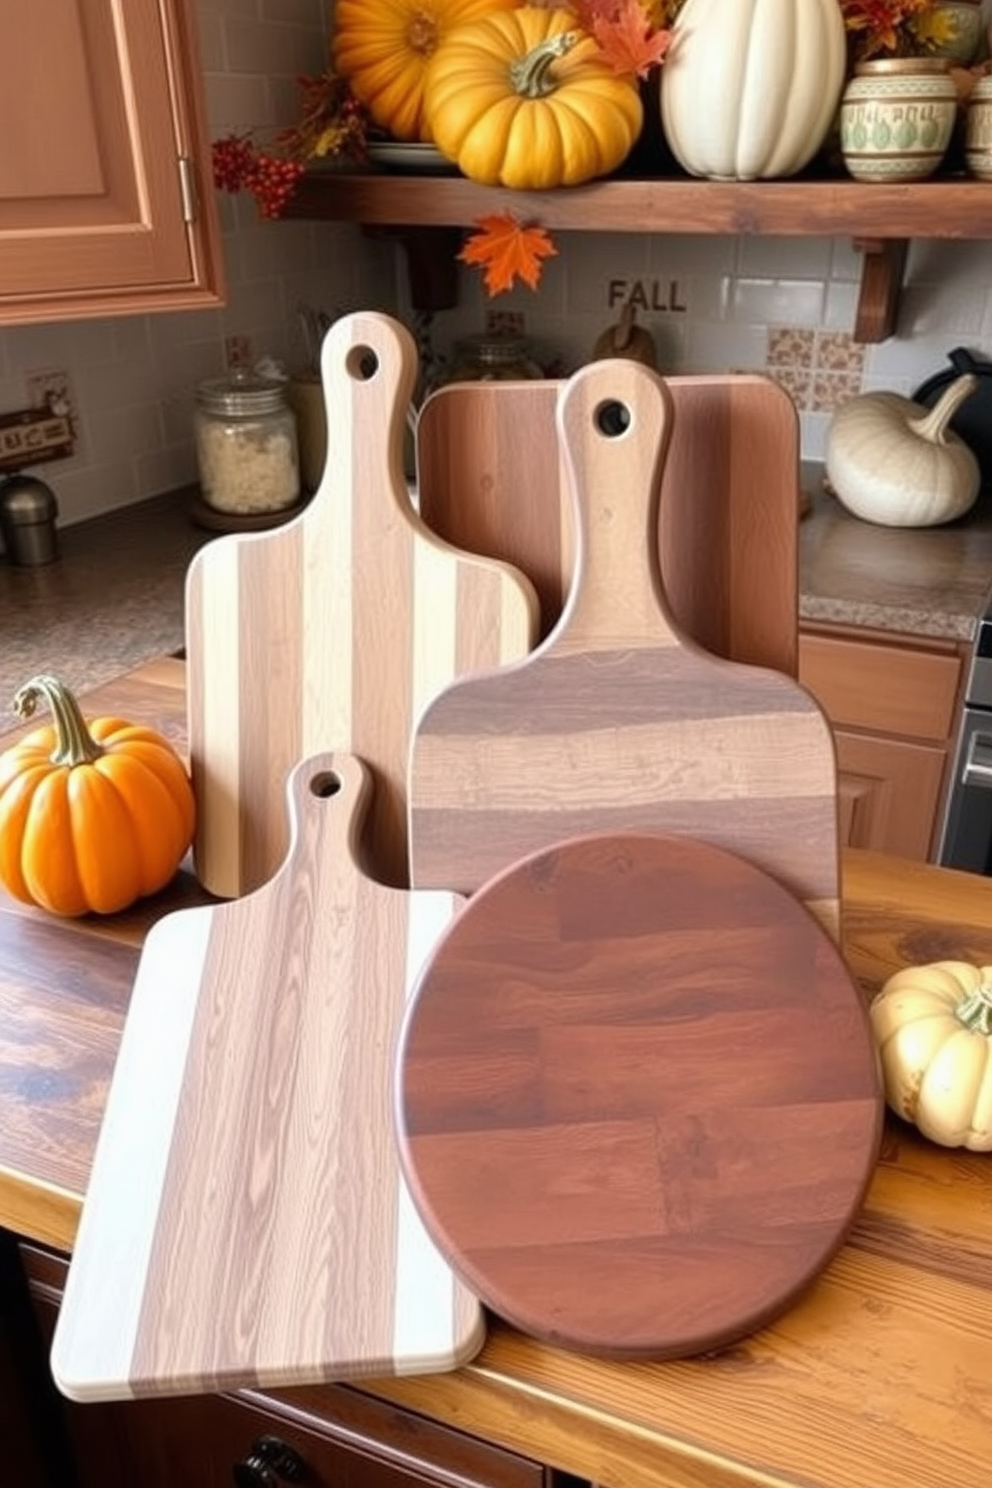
897 116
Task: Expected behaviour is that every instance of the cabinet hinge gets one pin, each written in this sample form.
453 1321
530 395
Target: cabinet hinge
187 188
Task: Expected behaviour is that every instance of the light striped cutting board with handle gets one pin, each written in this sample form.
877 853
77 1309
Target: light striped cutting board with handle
618 721
246 1222
332 631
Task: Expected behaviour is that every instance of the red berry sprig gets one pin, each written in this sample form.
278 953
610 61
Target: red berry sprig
239 166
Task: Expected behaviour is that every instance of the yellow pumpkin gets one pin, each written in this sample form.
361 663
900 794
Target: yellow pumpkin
525 99
382 48
91 818
933 1027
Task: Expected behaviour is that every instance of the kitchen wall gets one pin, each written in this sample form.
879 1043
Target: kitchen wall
783 306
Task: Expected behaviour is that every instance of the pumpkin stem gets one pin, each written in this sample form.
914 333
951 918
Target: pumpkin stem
74 744
933 425
975 1010
530 76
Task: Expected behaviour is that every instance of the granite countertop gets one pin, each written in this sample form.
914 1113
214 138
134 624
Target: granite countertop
114 598
931 581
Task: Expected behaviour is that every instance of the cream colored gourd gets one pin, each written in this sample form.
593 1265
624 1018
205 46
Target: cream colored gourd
933 1028
750 88
895 463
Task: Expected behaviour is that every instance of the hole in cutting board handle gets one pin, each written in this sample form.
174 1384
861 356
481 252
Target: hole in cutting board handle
325 783
362 363
612 418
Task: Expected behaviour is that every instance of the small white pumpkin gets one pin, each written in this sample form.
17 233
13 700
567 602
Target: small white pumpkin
933 1029
750 88
897 464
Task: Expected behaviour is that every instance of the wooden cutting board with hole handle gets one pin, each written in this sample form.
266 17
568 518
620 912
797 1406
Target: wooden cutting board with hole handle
331 631
638 1098
246 1222
492 479
617 719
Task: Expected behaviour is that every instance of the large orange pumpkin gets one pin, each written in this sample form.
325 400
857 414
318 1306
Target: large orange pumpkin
91 817
381 47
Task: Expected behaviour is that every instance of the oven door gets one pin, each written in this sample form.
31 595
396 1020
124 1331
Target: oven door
966 838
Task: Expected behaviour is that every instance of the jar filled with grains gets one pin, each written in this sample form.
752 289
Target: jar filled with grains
246 445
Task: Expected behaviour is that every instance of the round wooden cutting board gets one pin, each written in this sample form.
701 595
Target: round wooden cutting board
638 1098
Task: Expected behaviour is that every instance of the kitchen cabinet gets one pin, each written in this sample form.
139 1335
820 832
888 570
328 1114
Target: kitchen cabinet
106 200
880 219
893 704
328 1436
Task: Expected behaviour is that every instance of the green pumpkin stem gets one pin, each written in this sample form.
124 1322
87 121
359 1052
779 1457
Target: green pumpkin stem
530 76
975 1010
74 744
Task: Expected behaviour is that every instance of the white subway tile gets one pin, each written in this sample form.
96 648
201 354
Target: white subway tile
784 258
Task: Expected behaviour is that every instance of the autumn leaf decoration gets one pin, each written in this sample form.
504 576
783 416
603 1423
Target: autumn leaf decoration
625 33
506 250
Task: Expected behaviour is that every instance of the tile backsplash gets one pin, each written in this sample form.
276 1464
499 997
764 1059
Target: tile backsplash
781 306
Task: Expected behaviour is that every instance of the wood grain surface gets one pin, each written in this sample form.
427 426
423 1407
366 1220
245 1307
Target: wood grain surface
492 479
617 720
639 1098
333 630
246 1221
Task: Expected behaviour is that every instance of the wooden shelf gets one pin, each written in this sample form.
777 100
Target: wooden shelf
951 208
880 219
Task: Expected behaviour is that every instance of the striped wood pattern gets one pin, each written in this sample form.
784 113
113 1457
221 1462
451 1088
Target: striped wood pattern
333 630
246 1222
492 479
615 720
639 1098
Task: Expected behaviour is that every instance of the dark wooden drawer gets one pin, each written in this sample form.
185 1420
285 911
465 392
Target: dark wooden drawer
343 1438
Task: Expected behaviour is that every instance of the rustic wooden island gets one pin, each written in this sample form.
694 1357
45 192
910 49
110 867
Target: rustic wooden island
877 1376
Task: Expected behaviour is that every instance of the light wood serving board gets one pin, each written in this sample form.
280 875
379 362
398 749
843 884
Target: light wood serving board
331 631
617 720
639 1101
492 479
246 1222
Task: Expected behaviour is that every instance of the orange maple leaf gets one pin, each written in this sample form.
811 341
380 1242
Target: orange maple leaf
627 38
505 250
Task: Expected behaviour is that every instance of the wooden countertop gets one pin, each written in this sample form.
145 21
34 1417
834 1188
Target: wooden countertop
878 1375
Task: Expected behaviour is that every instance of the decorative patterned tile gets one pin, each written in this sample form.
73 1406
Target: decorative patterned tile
837 351
830 389
790 346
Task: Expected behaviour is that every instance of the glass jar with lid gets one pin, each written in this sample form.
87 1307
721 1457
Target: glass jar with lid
246 445
492 356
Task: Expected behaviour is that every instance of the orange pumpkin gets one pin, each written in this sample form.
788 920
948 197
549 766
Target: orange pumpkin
382 48
91 817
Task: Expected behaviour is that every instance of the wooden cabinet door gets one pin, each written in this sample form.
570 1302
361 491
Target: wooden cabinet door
888 792
104 201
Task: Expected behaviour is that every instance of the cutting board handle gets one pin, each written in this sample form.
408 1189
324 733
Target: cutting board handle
614 423
328 796
369 367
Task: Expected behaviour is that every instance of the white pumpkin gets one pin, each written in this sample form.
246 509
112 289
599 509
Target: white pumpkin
893 462
750 88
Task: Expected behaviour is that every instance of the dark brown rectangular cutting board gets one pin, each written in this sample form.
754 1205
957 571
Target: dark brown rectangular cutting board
491 480
617 721
331 631
245 1222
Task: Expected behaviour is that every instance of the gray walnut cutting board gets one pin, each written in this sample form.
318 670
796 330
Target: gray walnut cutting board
617 720
333 630
246 1222
492 479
